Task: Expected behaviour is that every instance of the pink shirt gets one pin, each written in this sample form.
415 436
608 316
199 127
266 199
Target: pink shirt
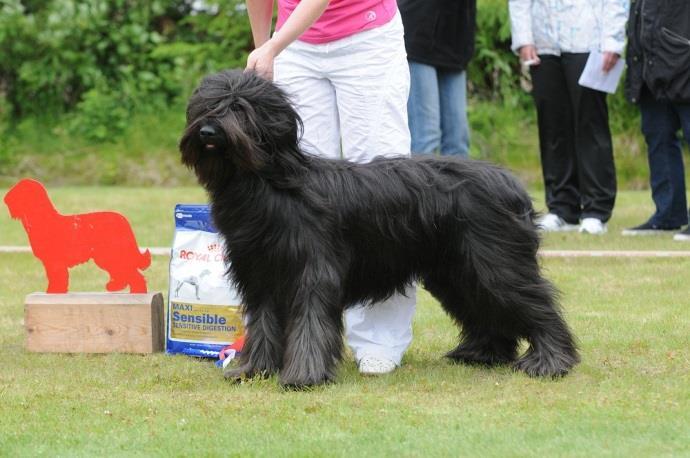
342 18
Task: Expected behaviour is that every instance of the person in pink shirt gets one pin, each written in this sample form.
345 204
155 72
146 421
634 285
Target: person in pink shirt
343 62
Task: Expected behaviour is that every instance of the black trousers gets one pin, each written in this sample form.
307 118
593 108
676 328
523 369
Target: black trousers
574 140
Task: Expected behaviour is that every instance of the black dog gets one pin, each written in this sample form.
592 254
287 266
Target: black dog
309 237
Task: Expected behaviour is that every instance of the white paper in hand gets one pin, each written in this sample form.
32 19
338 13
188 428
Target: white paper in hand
594 77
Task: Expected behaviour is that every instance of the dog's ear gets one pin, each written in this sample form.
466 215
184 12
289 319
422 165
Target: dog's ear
271 124
262 131
246 136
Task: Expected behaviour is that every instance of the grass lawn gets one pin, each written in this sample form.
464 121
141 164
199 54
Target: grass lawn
630 396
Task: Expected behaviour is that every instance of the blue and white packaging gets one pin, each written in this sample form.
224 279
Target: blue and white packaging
203 306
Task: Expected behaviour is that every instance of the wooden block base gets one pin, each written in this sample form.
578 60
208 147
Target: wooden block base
94 323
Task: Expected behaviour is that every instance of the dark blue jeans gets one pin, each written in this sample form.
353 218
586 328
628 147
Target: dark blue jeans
661 123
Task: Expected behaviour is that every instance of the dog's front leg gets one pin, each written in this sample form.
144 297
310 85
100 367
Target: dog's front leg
58 277
314 333
263 346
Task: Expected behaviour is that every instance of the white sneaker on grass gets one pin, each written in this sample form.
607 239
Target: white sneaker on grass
551 222
592 226
683 236
373 365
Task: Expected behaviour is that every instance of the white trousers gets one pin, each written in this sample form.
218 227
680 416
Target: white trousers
352 96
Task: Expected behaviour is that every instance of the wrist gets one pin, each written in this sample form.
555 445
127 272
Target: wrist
527 52
273 46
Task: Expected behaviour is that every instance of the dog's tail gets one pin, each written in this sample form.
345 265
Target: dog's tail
145 260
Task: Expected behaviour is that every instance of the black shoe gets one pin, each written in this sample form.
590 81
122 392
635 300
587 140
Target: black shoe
683 236
649 229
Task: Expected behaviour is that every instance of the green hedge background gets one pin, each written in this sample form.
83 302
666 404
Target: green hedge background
93 91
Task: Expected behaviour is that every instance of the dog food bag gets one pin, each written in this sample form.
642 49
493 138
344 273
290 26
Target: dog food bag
203 306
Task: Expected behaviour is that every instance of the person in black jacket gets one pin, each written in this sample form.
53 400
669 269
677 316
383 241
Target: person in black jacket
439 38
658 79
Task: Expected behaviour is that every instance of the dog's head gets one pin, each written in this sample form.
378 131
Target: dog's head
25 197
237 121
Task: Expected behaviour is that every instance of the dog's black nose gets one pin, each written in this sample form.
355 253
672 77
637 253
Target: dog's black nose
207 131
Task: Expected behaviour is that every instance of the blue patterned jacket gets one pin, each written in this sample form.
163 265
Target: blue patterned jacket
556 26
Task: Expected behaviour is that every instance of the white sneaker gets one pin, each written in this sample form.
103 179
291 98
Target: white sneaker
683 236
592 226
372 365
554 223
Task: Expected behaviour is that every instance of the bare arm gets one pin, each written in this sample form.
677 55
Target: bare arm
304 15
260 16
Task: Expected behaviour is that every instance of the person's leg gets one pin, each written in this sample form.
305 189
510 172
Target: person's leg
298 71
383 330
556 138
455 130
370 75
593 145
660 126
423 109
683 111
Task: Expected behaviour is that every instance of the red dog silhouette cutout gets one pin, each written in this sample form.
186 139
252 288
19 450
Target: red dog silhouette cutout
64 241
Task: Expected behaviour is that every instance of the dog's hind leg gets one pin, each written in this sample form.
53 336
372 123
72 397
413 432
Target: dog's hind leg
552 350
479 344
264 343
137 282
531 305
314 333
507 298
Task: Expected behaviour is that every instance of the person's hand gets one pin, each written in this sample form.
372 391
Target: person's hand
528 55
610 59
261 60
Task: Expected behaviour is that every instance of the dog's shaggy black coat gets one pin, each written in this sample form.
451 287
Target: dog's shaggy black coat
309 237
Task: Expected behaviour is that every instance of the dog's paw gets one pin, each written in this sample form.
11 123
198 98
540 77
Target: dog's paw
238 374
474 357
303 381
244 372
115 285
303 385
536 365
